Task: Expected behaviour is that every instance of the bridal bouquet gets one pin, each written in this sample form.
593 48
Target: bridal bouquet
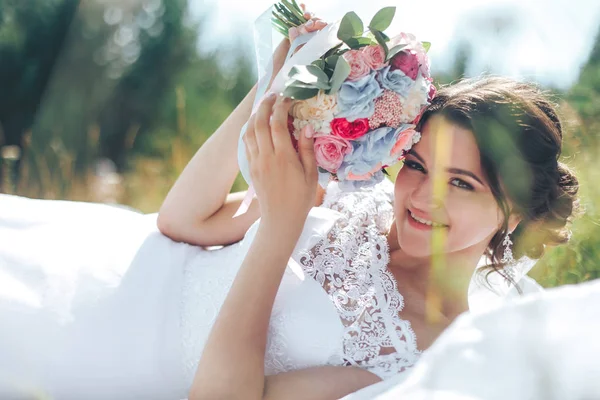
362 97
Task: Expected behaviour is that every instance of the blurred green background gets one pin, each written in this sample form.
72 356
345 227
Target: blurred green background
106 101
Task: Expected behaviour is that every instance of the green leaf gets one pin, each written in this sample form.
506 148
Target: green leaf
280 26
290 17
382 20
305 73
299 93
427 46
394 50
371 35
296 5
331 61
319 64
381 40
298 84
322 78
294 10
357 42
340 73
278 19
277 26
333 50
351 26
310 74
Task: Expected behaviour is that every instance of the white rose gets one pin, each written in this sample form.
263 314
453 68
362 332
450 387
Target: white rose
322 127
321 107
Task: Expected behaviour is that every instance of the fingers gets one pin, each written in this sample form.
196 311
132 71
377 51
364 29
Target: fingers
313 24
282 142
262 124
306 148
249 139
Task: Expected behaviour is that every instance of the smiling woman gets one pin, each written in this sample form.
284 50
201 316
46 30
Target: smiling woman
502 171
467 209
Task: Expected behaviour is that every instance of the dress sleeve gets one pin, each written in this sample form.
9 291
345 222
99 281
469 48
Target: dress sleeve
350 263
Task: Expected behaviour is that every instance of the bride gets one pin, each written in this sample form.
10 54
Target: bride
305 302
376 261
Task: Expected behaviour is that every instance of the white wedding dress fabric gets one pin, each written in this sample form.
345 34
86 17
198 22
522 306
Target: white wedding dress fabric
96 304
544 346
337 303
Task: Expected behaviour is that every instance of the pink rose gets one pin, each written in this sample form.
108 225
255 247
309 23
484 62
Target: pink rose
330 152
358 64
404 139
374 56
406 62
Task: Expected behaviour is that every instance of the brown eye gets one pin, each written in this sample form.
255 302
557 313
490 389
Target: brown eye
459 183
414 165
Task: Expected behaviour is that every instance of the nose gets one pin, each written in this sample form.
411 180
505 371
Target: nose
423 196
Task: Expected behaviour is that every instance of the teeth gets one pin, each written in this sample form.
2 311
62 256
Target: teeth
425 222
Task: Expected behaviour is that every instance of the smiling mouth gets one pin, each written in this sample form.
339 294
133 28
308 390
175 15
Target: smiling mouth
426 222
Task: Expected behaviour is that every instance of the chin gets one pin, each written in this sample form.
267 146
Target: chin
413 245
417 249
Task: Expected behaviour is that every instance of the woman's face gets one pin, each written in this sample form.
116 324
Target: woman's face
462 204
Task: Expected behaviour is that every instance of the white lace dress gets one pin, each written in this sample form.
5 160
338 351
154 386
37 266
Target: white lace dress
96 304
337 303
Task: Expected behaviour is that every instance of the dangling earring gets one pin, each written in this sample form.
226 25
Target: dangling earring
508 259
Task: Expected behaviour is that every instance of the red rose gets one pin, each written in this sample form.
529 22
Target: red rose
349 130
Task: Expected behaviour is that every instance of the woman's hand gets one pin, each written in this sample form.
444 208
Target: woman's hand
312 25
285 181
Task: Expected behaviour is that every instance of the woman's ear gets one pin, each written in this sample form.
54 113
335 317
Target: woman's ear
513 220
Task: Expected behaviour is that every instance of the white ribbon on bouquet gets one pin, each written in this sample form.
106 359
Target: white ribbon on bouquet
315 45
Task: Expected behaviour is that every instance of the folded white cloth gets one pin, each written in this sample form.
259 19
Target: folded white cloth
544 346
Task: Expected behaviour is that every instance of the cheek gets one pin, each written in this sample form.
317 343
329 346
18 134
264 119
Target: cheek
406 182
474 218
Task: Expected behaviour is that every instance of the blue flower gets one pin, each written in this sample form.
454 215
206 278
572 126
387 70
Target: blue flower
370 152
395 81
357 99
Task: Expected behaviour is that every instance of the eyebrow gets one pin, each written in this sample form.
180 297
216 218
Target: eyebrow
451 170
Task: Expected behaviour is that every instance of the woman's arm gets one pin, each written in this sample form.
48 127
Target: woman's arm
199 208
318 383
232 363
201 192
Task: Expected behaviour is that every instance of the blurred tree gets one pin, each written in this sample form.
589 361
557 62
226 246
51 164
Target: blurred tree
580 259
584 96
32 35
133 108
124 79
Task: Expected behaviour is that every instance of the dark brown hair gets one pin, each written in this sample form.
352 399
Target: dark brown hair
519 136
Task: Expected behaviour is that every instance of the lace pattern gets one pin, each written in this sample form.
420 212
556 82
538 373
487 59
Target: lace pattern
351 265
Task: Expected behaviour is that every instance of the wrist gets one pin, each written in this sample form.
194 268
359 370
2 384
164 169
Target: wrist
288 226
